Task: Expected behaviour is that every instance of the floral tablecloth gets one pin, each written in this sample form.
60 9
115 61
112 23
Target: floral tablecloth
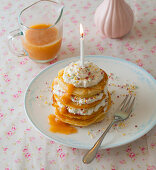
21 146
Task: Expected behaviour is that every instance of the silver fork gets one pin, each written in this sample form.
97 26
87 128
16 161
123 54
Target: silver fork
122 113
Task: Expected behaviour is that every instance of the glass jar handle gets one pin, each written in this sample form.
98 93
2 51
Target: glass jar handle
11 38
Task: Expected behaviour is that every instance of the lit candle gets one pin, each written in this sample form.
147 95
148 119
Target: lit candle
81 45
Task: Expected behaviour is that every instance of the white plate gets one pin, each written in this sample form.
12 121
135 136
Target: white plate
123 73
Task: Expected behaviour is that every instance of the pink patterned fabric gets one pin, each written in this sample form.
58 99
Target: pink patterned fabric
21 146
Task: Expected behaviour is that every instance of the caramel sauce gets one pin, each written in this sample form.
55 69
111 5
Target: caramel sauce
70 88
56 125
52 86
63 110
65 99
59 126
60 74
54 101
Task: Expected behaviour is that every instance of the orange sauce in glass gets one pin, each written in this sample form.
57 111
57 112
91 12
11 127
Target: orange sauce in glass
59 126
42 42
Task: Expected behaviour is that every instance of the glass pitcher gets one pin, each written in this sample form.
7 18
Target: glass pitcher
40 31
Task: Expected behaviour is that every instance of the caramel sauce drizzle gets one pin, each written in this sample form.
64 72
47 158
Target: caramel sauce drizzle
57 126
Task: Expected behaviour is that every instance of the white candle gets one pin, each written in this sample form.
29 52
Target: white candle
81 46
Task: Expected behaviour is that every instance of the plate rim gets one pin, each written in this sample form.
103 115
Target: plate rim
145 131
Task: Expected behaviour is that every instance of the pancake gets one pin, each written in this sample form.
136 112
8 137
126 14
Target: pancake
80 94
80 91
81 120
63 100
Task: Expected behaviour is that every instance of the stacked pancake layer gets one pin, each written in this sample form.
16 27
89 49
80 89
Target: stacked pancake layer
80 95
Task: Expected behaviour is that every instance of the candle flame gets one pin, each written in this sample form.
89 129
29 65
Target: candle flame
81 30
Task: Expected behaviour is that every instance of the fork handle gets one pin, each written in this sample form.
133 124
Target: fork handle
90 155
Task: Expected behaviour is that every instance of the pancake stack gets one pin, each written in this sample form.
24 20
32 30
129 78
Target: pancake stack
80 94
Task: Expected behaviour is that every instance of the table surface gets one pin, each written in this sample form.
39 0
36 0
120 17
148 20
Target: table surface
21 146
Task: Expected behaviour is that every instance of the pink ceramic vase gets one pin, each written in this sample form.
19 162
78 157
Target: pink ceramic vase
114 18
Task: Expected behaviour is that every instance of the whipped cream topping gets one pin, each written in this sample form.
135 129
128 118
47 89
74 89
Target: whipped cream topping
59 92
86 76
85 111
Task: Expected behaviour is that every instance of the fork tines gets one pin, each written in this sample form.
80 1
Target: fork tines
127 103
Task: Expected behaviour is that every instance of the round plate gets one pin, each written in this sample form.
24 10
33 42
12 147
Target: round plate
124 77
